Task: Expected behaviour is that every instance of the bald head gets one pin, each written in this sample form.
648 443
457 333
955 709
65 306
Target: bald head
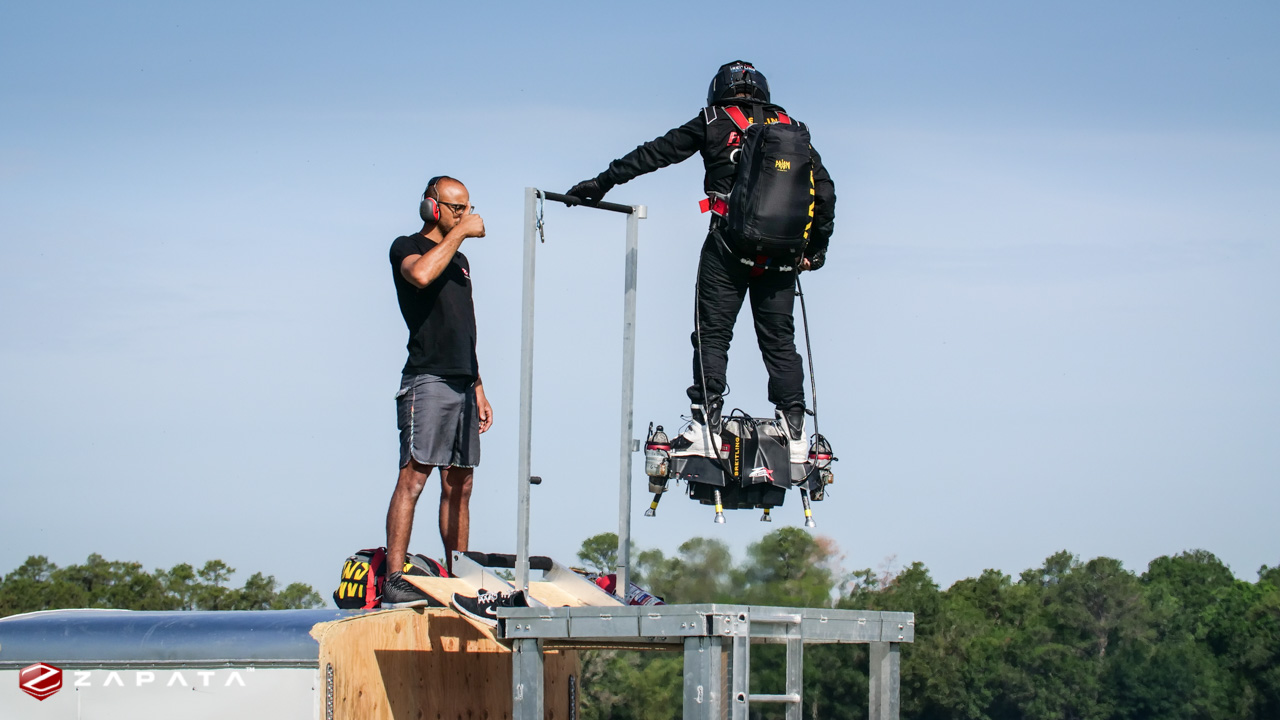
453 199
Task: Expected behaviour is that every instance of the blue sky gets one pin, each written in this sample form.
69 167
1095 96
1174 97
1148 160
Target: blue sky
1049 319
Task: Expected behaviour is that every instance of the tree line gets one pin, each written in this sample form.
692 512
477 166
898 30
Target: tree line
99 583
1070 640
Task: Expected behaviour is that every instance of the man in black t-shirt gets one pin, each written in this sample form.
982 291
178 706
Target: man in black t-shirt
441 407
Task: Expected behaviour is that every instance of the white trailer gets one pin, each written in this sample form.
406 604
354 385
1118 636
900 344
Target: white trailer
126 665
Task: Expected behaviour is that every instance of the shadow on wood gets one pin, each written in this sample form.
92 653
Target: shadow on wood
420 664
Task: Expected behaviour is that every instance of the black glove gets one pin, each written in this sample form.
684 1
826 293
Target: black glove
817 259
590 191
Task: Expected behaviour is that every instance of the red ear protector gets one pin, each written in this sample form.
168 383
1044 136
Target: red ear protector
429 210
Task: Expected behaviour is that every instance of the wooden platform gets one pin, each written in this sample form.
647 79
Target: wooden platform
429 663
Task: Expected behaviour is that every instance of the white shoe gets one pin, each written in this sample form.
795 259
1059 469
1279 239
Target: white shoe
697 439
797 447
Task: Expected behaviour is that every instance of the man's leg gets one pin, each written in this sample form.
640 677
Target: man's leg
396 591
455 510
413 478
772 309
722 285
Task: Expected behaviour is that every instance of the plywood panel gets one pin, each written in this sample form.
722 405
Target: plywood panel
427 663
441 588
552 596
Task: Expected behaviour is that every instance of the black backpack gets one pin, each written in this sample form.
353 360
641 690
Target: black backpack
364 573
771 205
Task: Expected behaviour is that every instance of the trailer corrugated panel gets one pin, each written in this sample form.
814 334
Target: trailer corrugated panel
118 664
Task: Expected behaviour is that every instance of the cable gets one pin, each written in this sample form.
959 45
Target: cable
808 349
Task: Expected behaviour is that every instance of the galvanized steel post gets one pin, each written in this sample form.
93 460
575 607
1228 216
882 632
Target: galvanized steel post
526 388
527 686
885 676
627 447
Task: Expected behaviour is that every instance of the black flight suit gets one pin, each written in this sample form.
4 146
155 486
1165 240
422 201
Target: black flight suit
723 279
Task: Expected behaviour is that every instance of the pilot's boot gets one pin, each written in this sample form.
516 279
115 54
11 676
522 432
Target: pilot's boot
702 437
792 421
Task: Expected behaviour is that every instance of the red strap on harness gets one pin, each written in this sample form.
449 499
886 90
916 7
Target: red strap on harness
717 206
737 117
735 114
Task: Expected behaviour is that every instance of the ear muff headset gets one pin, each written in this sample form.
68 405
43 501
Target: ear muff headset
429 210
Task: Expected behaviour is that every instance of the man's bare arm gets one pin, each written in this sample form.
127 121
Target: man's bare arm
422 270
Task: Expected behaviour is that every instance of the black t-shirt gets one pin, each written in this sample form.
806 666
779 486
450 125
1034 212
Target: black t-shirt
441 316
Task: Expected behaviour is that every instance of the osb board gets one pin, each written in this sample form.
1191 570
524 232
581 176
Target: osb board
431 664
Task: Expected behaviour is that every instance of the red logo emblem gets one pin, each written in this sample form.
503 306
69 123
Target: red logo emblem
40 680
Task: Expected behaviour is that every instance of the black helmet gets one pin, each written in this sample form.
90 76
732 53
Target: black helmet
735 77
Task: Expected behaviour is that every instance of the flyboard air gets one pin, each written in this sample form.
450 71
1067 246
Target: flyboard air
750 469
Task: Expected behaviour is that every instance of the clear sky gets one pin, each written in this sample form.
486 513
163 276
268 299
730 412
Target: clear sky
1049 320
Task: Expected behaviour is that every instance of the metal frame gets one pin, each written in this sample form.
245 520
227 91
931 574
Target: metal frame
627 446
716 641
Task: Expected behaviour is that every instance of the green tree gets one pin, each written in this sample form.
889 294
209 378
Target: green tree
98 583
702 571
1242 627
599 553
788 567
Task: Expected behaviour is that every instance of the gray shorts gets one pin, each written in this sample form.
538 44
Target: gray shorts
438 420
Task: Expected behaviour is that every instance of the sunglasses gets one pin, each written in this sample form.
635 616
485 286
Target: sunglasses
458 209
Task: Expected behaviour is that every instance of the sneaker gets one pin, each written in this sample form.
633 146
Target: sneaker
792 422
701 438
400 593
484 607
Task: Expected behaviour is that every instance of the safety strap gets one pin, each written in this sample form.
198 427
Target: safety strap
735 114
761 263
715 205
371 585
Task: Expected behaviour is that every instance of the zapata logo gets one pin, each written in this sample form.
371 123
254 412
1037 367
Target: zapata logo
40 680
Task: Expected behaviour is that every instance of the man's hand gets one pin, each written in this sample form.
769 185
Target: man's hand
589 191
805 264
486 410
471 226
